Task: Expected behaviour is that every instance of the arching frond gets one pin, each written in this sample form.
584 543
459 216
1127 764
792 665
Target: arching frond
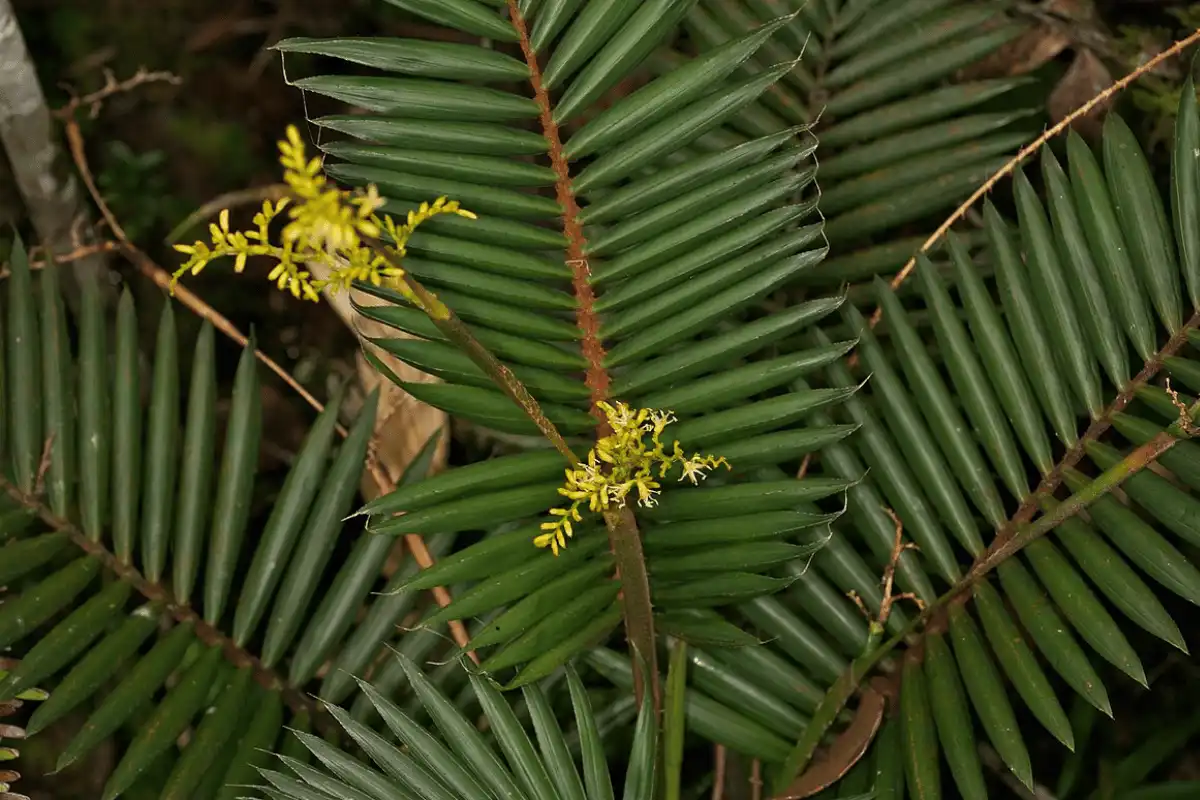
137 591
600 269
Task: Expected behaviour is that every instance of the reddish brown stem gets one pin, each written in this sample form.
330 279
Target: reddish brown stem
585 296
624 537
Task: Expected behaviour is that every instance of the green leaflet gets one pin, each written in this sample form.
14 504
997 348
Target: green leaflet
445 60
127 421
315 543
101 662
987 694
1051 634
196 473
920 742
95 414
231 509
66 640
542 602
1017 661
27 555
58 394
21 615
136 687
465 15
25 419
162 431
454 137
282 529
950 711
504 587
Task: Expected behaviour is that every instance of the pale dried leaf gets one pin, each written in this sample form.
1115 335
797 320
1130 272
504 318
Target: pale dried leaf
402 425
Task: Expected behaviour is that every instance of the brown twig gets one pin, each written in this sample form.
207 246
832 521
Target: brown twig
39 481
94 100
1185 414
80 252
1029 150
887 583
79 156
889 572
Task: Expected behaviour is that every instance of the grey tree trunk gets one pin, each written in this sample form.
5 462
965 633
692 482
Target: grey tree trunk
39 167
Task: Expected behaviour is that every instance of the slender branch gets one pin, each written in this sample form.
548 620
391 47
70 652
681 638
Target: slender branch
79 253
111 87
623 534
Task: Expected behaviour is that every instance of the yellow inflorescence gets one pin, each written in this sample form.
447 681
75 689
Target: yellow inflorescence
329 226
622 465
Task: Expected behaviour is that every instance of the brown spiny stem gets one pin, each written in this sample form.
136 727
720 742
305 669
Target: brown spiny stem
624 537
158 594
1053 479
585 296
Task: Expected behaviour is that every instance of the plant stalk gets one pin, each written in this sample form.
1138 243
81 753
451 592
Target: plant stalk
625 540
457 332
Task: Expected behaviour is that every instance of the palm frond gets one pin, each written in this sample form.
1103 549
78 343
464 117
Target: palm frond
1066 367
597 270
136 593
452 759
898 143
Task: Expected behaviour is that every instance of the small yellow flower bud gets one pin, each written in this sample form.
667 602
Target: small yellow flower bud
631 461
327 226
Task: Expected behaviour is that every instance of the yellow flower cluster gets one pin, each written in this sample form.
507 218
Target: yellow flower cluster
329 226
621 465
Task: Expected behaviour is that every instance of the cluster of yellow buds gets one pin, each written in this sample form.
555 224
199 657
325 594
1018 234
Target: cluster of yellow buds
622 464
328 226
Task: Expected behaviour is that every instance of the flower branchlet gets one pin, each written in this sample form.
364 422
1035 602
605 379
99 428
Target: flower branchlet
622 465
327 225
